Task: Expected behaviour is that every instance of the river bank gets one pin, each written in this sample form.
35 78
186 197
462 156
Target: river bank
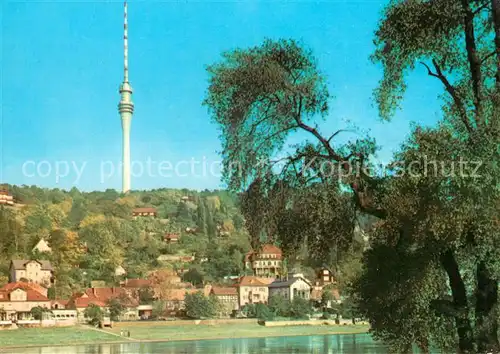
81 335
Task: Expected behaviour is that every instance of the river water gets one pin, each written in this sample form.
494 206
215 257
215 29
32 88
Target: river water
342 344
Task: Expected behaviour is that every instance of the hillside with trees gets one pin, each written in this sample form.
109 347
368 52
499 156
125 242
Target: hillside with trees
91 234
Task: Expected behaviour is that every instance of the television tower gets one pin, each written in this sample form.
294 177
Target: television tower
125 108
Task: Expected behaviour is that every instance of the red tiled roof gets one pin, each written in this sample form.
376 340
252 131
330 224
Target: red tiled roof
137 283
224 291
248 280
31 294
100 297
270 249
316 294
144 210
265 249
170 236
62 302
25 286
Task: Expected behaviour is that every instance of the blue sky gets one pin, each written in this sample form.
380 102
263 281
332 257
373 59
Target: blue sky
62 65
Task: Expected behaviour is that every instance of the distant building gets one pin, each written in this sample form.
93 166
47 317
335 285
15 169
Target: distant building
33 271
101 297
266 262
252 290
42 246
120 271
144 212
228 298
18 298
294 286
325 276
171 238
6 198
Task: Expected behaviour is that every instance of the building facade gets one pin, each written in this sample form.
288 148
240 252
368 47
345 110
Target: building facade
18 299
291 288
266 262
252 290
144 212
228 298
6 198
33 271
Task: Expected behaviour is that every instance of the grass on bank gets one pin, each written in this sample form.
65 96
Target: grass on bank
247 330
53 336
26 337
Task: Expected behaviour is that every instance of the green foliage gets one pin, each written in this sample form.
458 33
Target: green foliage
94 314
93 233
38 312
300 308
279 306
116 308
146 295
199 306
159 309
249 310
193 276
262 312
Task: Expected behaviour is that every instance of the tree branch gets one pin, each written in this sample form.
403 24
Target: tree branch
474 63
338 132
495 6
453 93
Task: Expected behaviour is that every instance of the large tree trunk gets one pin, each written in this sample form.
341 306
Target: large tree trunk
486 314
464 328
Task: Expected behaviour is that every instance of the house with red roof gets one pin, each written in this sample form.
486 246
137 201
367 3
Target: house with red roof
144 212
228 298
252 290
17 300
267 261
101 297
171 237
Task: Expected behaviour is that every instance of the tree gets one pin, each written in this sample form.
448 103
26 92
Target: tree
263 312
300 308
279 306
193 276
146 295
262 95
159 309
201 216
94 314
38 312
116 308
199 306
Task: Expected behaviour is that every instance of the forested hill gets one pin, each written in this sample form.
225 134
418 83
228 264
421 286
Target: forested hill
92 233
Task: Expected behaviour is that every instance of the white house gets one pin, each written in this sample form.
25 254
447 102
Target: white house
42 246
295 285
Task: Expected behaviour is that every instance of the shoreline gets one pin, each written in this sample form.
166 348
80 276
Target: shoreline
132 340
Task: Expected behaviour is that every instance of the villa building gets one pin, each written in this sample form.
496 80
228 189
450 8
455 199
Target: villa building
171 238
294 286
17 299
5 198
325 276
266 262
252 290
228 297
144 212
42 246
32 271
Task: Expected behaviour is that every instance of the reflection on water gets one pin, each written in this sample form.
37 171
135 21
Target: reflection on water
347 343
